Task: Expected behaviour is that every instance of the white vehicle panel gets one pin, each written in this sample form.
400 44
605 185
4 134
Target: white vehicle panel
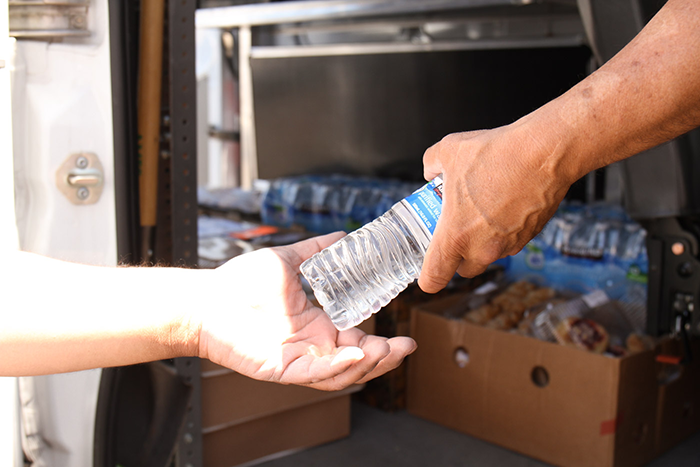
62 105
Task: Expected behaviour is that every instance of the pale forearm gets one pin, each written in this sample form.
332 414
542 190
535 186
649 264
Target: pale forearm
647 94
62 317
250 315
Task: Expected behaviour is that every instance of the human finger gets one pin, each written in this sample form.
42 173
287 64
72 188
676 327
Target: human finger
400 348
439 265
432 166
301 251
310 369
352 336
374 348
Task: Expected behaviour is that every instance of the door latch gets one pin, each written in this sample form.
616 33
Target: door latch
81 178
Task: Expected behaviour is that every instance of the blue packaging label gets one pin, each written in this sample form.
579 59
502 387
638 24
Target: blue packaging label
427 203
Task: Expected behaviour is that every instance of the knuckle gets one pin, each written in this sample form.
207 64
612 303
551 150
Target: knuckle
430 154
483 258
515 249
466 270
449 138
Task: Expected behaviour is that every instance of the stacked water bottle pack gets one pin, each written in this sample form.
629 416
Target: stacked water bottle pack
585 248
582 249
324 204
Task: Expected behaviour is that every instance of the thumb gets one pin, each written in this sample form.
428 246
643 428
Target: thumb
439 265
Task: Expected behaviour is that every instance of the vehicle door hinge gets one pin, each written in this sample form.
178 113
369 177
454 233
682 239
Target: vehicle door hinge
48 19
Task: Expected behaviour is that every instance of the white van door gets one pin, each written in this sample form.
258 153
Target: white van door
9 420
64 191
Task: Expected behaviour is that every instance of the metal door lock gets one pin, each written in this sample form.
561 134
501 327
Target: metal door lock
81 178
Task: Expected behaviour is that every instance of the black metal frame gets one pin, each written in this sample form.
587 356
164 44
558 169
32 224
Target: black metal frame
176 234
188 452
124 43
182 82
183 126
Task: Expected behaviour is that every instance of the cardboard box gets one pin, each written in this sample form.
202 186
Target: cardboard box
245 421
260 439
388 392
557 404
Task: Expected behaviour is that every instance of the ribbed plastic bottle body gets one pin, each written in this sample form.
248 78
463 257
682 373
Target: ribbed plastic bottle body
361 273
364 271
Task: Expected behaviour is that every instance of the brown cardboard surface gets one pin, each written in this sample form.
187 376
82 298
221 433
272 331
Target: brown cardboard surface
572 421
431 372
233 398
563 419
302 427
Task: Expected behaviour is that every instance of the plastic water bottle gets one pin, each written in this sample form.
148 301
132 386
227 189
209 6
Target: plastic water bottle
362 272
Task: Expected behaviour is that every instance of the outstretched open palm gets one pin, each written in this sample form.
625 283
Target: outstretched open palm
269 330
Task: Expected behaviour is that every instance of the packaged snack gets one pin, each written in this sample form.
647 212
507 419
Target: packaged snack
582 333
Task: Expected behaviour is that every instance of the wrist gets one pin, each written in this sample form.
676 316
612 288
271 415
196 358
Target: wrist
183 334
565 148
189 296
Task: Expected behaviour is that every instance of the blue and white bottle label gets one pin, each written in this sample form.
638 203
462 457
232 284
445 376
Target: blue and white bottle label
427 203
